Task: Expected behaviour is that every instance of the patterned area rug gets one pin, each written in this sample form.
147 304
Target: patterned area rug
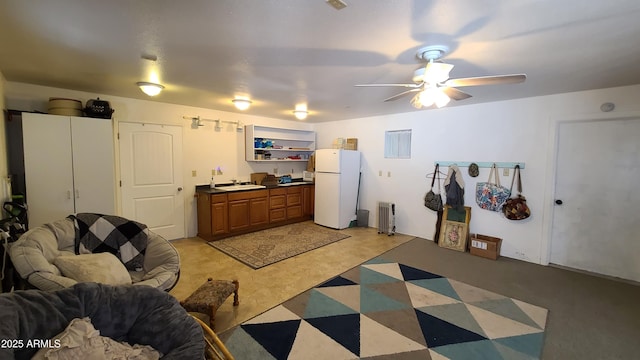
265 247
387 310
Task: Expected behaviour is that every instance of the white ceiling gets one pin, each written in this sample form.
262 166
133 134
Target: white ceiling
283 52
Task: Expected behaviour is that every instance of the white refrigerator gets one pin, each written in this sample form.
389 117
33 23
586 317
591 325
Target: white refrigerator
337 181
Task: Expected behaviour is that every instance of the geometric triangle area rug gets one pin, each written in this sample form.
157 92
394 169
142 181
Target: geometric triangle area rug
387 310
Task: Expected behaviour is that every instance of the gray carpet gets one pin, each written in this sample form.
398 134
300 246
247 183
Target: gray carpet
590 317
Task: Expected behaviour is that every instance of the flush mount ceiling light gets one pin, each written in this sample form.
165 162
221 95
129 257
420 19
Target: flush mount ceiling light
300 114
149 88
241 104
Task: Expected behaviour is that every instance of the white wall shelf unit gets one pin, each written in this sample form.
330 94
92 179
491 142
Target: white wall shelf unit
263 143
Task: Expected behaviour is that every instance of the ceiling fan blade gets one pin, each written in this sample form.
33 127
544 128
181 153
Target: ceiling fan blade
454 93
486 80
397 85
397 96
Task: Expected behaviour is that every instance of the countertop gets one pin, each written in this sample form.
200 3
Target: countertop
208 190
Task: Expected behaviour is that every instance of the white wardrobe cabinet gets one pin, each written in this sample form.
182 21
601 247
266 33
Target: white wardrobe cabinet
69 166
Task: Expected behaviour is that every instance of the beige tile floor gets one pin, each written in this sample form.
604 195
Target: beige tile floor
269 286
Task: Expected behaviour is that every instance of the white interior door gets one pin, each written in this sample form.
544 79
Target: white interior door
597 225
151 172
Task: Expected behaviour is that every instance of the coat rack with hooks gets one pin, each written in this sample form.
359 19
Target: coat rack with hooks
485 164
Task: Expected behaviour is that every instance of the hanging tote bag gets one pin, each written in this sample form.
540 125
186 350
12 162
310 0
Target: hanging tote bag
516 208
491 195
433 200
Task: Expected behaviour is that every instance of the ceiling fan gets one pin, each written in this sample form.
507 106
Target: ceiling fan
432 83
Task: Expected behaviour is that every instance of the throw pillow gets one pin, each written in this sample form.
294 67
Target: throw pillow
104 268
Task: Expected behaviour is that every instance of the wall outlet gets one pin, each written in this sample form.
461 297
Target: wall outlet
380 173
388 173
505 171
213 172
193 173
275 171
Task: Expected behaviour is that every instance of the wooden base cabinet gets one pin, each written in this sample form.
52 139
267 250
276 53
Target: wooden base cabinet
234 213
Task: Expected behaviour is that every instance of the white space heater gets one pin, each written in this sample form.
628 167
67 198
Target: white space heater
386 218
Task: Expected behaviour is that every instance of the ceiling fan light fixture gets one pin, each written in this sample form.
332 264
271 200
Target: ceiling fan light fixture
149 88
241 103
431 96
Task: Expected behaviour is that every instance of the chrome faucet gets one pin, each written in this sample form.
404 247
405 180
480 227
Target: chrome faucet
234 181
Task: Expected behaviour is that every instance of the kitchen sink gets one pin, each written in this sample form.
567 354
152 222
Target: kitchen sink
239 187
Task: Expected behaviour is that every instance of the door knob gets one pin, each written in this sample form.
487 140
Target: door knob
179 188
558 202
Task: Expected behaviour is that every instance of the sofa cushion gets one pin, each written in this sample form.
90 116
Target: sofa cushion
102 268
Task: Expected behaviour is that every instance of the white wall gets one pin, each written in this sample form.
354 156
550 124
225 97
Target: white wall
511 131
204 148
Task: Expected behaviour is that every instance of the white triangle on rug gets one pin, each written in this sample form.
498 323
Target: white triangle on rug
536 313
389 269
421 297
348 295
468 293
496 326
437 356
377 339
277 314
311 343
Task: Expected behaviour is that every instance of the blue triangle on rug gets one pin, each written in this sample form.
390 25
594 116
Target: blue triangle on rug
344 329
411 273
337 281
438 332
277 338
529 344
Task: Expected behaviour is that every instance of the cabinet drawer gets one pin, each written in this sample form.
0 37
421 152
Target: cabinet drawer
297 189
294 212
218 198
277 201
278 215
243 195
277 191
294 199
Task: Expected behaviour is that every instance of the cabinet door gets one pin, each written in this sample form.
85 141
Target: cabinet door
238 215
307 200
48 167
258 211
219 218
93 165
205 210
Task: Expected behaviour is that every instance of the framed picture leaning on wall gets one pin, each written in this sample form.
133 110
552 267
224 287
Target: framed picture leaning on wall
454 231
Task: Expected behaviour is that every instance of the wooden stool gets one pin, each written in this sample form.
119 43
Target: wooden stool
208 297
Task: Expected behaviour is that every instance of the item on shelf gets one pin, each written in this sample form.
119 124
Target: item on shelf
288 144
351 144
97 108
66 107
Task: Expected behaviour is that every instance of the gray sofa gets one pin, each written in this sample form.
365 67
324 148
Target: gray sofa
34 255
138 315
